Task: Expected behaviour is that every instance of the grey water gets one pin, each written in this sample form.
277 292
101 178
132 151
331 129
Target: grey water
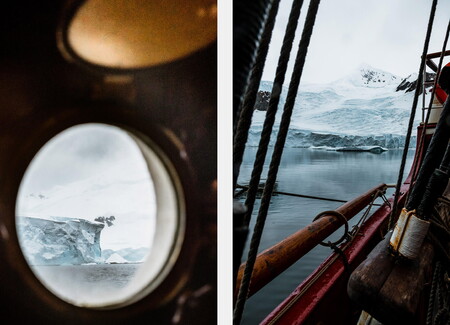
330 174
80 283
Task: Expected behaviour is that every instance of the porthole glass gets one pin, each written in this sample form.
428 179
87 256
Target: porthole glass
99 216
130 34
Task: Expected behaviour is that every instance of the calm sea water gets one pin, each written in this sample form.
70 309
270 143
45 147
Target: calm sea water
86 283
338 175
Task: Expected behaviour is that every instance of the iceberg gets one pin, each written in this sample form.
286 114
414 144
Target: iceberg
372 149
129 255
60 240
116 259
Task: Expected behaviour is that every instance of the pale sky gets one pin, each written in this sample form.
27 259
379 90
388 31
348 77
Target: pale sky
386 34
78 153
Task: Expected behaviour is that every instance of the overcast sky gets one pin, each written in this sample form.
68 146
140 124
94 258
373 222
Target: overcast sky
386 34
78 153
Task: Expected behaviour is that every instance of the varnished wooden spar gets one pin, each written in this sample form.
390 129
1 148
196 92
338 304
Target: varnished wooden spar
276 259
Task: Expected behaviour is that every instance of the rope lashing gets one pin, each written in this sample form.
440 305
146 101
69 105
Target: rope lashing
412 114
408 235
246 109
276 157
412 226
273 107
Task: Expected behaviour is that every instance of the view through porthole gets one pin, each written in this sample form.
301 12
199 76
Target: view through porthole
97 216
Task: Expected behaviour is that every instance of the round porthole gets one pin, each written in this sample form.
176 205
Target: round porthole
100 216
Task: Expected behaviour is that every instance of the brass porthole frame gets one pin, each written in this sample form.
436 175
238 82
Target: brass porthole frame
68 13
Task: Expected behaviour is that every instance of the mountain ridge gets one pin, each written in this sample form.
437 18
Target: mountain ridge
367 103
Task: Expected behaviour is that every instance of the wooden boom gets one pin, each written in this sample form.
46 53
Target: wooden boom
276 259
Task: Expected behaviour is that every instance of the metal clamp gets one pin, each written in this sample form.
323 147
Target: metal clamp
339 215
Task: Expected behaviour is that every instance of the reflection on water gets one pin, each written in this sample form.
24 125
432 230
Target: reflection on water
338 175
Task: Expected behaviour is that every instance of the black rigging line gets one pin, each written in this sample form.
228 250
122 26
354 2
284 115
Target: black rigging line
272 109
276 157
246 109
412 114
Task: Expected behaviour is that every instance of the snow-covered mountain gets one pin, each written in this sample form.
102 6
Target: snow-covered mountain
368 77
362 108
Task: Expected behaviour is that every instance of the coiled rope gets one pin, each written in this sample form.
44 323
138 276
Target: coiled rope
276 157
412 115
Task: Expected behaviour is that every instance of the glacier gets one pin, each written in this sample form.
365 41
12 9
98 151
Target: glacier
60 240
365 108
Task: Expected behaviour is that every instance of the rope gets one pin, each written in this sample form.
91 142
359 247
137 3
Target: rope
248 19
272 108
327 264
438 304
412 114
357 227
439 234
246 109
425 124
342 255
432 299
243 188
276 157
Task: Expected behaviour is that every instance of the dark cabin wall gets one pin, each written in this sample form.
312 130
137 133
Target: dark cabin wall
41 94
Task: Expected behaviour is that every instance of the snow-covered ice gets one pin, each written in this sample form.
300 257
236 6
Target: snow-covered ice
362 108
115 259
61 241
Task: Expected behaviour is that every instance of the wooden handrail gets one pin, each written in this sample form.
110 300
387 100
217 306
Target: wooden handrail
276 259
